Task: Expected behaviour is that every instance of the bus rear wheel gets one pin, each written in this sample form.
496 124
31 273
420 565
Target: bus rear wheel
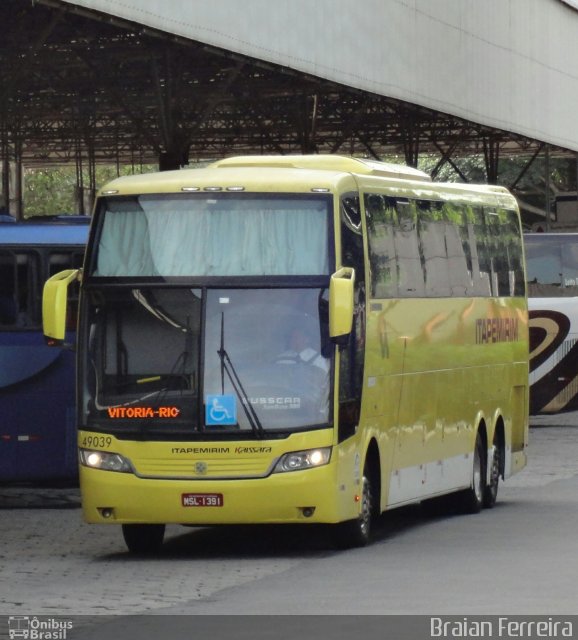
491 490
472 499
143 539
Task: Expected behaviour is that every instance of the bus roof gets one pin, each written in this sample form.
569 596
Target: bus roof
361 167
298 173
328 162
50 232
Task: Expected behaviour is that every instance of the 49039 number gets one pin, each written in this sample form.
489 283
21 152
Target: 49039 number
97 442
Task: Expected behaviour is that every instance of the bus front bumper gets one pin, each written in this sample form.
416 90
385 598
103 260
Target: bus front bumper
307 496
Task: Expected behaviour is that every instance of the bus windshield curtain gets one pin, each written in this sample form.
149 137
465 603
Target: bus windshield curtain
212 238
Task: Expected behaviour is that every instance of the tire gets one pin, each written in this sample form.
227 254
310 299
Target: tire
472 499
357 533
491 489
143 539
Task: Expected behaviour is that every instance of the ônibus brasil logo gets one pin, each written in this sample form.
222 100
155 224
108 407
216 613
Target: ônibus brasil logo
35 628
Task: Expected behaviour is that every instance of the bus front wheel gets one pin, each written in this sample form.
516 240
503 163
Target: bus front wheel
357 533
143 539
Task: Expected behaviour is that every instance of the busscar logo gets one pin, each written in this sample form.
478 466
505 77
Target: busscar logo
35 628
277 403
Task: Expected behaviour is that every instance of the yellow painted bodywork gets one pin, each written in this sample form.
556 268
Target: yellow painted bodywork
54 303
429 383
432 385
169 470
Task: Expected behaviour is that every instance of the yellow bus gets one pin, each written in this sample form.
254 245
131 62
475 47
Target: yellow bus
295 339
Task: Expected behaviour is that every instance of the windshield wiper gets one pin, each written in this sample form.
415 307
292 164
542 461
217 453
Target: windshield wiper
228 368
156 310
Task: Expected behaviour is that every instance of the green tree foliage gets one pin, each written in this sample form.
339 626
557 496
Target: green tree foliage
54 191
49 191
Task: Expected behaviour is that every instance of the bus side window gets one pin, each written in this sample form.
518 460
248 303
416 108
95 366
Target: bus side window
381 219
511 233
459 249
498 253
481 262
544 266
8 304
432 244
570 266
19 289
29 290
409 260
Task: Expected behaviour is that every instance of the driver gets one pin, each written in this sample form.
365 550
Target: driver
301 350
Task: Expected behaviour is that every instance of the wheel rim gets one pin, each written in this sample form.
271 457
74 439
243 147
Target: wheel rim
366 508
477 476
495 472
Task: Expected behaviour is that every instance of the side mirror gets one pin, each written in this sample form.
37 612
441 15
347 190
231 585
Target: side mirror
341 304
54 305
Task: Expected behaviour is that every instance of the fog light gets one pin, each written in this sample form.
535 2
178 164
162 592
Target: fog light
307 511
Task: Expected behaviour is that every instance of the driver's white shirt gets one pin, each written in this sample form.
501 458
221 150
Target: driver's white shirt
307 355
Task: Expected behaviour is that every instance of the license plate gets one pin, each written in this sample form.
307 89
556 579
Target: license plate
202 499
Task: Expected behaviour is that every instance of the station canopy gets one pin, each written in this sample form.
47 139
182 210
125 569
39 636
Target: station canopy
81 85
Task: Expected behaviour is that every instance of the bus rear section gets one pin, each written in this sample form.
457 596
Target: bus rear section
552 264
239 364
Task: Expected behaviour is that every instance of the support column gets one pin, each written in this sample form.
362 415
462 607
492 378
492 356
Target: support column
16 204
5 159
492 159
548 201
91 195
411 138
79 190
5 199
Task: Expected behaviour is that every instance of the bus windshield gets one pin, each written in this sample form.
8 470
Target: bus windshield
225 234
220 361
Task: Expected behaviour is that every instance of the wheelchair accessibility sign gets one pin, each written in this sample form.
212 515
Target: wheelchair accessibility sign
220 410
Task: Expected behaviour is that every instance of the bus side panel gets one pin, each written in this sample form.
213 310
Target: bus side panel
519 430
38 432
437 369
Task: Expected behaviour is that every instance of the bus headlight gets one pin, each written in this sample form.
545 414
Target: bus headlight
298 460
105 461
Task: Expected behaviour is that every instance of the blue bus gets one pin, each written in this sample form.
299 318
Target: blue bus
37 394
